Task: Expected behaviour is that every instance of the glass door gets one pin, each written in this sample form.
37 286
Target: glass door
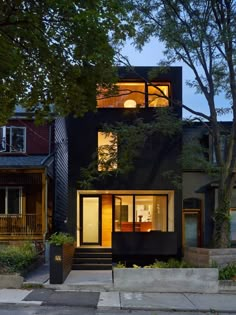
90 219
192 229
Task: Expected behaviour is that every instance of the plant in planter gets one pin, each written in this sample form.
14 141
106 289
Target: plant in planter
15 261
61 238
61 255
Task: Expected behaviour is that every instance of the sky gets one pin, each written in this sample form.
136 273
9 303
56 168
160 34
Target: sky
151 55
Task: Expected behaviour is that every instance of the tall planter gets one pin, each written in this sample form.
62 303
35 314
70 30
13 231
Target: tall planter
61 257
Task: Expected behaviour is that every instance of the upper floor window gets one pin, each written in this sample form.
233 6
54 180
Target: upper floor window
136 95
10 200
107 151
12 139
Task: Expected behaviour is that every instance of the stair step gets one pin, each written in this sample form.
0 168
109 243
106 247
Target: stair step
92 267
88 258
92 260
92 255
93 250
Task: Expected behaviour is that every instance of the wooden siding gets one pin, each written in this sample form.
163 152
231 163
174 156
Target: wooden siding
106 220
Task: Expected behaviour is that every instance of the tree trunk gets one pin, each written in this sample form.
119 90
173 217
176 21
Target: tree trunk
222 219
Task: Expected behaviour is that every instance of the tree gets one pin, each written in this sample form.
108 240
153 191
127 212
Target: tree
202 34
55 53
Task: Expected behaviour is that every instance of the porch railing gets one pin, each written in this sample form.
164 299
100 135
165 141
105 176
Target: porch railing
26 224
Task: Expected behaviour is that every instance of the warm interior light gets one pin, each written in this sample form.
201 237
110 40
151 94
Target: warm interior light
130 104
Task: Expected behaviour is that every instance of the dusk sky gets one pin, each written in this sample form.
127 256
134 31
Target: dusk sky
151 55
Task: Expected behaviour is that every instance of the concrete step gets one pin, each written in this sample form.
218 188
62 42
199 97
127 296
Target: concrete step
92 255
91 267
92 260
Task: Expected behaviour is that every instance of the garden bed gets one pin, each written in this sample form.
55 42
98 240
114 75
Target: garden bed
194 280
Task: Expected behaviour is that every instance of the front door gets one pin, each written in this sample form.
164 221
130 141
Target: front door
90 220
192 234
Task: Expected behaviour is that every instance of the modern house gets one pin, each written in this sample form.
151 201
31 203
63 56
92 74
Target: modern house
26 185
138 214
200 189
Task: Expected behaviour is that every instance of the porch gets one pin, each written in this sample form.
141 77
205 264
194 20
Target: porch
21 226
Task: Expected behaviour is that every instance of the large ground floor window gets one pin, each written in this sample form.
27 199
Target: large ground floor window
141 213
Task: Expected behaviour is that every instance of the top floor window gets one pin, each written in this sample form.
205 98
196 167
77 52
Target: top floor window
12 139
136 95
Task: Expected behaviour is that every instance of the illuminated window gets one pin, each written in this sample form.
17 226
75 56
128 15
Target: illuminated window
158 95
133 95
142 213
128 95
107 151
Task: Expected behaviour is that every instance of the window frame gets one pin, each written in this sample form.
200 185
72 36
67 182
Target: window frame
8 147
6 189
146 86
134 230
114 165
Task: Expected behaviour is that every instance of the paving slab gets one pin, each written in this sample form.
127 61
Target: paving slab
89 277
73 298
213 302
155 301
39 295
109 300
14 296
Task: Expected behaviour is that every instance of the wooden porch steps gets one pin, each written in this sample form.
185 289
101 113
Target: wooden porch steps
89 258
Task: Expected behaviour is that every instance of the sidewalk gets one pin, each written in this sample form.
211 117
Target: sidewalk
101 282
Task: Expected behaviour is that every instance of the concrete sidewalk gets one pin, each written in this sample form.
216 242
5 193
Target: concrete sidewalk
108 301
101 282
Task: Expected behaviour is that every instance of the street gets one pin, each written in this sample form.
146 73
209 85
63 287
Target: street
75 310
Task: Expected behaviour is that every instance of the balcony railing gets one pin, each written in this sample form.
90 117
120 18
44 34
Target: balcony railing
27 224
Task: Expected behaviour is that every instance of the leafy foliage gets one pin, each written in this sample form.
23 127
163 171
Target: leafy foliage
202 34
227 272
61 238
57 52
131 137
17 258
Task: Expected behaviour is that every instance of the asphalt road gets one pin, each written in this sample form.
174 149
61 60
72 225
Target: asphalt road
68 310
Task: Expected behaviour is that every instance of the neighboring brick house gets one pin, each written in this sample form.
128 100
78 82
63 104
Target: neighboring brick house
26 180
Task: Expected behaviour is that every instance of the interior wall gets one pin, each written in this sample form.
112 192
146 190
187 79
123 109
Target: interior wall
106 220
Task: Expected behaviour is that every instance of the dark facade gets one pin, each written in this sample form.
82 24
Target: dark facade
138 213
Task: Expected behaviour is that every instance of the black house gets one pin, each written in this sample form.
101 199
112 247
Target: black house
138 214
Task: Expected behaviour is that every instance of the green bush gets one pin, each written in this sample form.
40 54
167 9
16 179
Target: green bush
61 238
227 272
17 258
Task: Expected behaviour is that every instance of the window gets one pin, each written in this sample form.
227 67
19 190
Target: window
12 139
10 200
142 213
107 151
158 95
233 224
223 147
136 95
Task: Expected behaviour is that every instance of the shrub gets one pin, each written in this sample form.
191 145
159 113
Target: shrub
61 238
17 258
227 272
